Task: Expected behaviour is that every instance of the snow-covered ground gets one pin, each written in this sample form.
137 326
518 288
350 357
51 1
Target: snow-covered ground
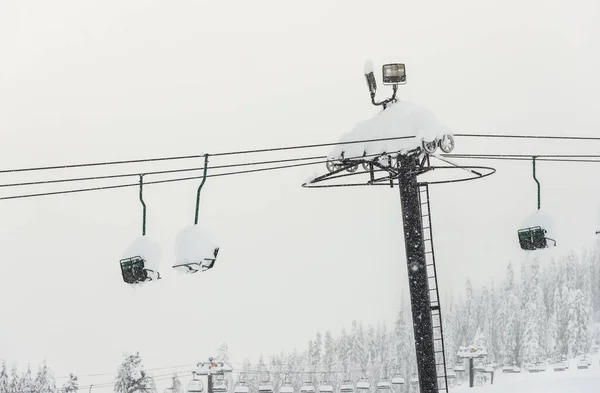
572 380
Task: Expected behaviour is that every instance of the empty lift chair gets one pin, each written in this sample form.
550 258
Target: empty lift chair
534 237
195 385
241 386
195 253
220 384
347 386
307 387
363 385
287 386
266 386
134 269
397 380
384 386
325 386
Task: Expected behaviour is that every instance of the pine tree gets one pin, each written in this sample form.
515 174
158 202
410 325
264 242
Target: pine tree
344 350
27 385
4 379
223 353
15 381
71 385
131 376
152 385
579 338
176 386
44 380
329 352
318 350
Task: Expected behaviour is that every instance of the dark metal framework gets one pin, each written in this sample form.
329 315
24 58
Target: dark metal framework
402 170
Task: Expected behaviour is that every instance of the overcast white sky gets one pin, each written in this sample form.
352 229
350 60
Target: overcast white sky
107 80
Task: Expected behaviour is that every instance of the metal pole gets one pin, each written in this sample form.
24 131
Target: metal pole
200 189
538 183
471 373
90 389
417 275
210 384
143 205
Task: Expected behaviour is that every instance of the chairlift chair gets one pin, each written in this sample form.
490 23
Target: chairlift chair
397 380
241 387
534 238
265 387
134 268
363 385
307 387
384 385
583 364
287 387
325 387
347 387
220 385
195 385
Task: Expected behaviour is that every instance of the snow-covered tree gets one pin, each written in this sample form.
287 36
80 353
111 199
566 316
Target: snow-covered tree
176 386
131 376
152 385
344 350
223 352
4 379
71 385
328 352
579 338
44 380
15 381
27 385
318 349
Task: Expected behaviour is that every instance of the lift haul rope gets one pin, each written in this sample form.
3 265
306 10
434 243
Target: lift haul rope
321 159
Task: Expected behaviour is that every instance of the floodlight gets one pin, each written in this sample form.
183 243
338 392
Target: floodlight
394 74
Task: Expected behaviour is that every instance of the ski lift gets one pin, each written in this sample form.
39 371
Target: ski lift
307 387
220 384
325 387
534 237
287 386
363 385
241 386
134 267
195 385
347 386
202 254
583 364
265 387
384 386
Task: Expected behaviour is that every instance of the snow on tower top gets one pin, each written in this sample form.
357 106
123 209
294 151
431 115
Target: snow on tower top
401 119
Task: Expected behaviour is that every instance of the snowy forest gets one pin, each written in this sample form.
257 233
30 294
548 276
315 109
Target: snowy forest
550 310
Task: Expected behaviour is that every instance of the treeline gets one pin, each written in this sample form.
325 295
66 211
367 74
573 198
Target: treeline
551 309
14 382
